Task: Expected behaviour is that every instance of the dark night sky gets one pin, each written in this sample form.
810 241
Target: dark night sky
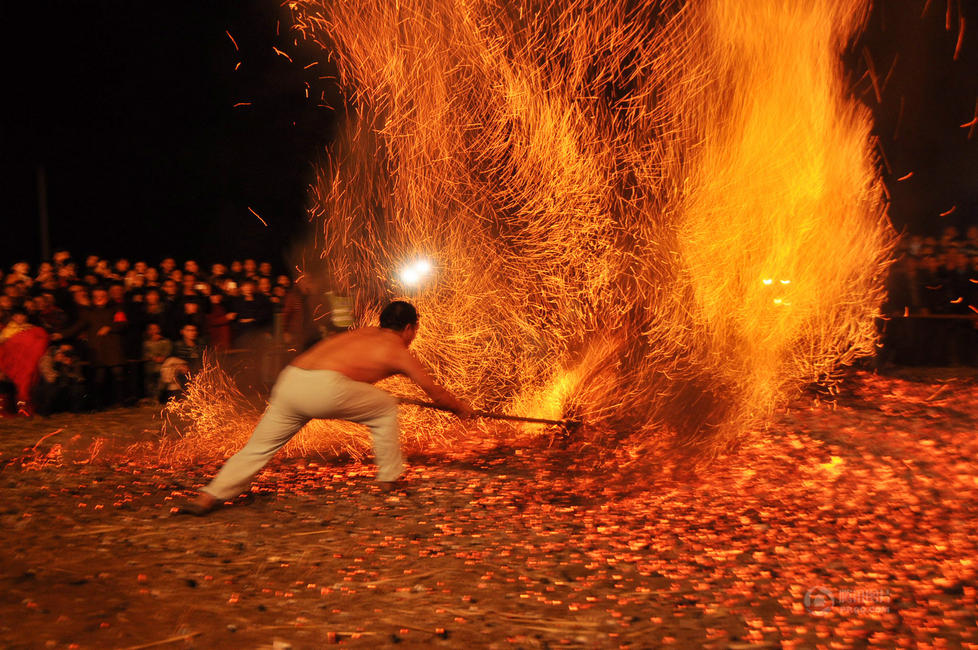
938 94
129 106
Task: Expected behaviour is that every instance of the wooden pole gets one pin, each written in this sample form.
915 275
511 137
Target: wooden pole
488 414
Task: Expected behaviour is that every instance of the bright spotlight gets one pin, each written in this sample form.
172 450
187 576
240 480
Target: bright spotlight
410 276
413 274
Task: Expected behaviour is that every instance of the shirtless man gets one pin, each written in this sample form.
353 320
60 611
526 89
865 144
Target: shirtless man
333 379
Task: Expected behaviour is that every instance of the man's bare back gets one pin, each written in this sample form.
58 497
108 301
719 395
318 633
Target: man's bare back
370 354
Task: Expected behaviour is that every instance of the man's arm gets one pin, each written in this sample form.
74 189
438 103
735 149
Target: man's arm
409 365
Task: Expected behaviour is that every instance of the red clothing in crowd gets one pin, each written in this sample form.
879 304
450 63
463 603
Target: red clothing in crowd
219 328
19 356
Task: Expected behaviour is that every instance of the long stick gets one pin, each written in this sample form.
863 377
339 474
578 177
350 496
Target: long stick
172 639
487 414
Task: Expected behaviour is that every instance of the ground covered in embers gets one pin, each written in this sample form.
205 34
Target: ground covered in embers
866 506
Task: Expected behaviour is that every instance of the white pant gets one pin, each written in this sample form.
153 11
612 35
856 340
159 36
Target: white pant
298 396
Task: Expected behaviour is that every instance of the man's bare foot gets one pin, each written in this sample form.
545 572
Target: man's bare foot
398 486
199 506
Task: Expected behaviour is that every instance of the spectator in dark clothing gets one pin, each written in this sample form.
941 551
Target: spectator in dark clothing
156 349
105 273
103 326
237 271
250 269
190 288
218 324
171 290
80 301
254 315
48 283
218 274
132 333
7 307
62 382
153 308
61 257
191 315
172 309
117 296
299 328
189 347
21 274
278 297
33 312
50 316
136 284
67 274
14 291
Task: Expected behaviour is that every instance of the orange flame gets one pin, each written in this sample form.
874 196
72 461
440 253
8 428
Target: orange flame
663 219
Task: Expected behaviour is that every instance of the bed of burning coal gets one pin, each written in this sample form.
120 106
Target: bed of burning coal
849 522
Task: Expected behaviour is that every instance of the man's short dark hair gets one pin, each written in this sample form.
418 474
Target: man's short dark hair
398 315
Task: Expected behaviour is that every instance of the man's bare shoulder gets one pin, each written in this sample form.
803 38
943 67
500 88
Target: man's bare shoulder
382 343
370 336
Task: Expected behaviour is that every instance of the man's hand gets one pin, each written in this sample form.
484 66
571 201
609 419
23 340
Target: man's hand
102 331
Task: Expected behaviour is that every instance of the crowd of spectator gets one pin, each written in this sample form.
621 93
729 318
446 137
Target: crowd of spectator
82 335
934 283
86 335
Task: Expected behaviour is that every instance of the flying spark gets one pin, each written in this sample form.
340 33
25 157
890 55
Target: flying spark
259 217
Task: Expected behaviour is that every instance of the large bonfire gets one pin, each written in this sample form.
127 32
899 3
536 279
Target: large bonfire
662 218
